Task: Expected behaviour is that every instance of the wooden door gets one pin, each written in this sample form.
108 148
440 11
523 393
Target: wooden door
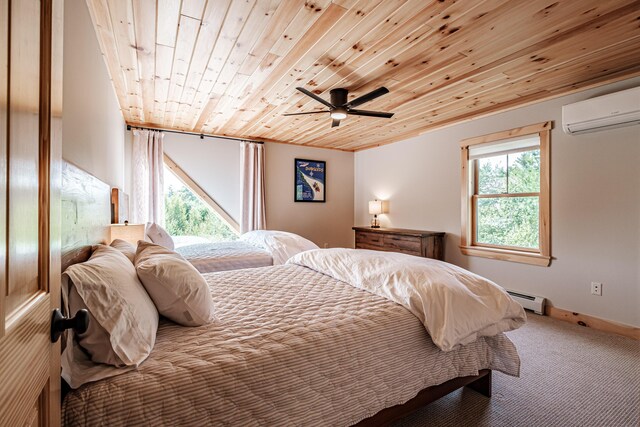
30 137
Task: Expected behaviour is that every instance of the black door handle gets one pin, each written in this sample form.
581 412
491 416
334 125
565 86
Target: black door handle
79 323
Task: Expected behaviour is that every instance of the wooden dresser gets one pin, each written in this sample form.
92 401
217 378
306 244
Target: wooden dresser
428 244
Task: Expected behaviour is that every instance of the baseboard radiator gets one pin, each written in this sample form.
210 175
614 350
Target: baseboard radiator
530 302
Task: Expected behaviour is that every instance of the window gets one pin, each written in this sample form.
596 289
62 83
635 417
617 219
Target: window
505 195
188 218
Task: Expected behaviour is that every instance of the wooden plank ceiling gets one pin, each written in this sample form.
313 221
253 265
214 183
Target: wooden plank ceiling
230 67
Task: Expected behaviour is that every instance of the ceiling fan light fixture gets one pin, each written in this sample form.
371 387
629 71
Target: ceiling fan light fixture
339 114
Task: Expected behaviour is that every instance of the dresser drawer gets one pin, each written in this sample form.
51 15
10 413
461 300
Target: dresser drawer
422 243
369 239
403 243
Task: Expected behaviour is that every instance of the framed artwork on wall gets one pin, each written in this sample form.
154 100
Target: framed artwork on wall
310 181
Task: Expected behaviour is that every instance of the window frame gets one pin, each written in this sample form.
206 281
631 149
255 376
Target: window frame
469 189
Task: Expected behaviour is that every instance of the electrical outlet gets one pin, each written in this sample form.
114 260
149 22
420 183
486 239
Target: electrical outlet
596 288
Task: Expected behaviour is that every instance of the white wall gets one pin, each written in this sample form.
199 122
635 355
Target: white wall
323 223
595 205
215 165
92 124
211 162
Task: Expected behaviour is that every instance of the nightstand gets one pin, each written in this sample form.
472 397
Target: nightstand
428 244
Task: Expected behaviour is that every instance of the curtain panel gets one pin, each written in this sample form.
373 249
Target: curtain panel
252 187
147 198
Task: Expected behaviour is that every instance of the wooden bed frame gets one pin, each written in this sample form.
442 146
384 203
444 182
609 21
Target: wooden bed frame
480 383
86 215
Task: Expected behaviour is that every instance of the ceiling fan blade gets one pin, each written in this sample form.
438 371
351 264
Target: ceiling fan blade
308 112
335 123
371 113
314 96
367 97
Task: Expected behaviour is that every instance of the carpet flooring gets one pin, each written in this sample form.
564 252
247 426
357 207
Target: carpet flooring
570 376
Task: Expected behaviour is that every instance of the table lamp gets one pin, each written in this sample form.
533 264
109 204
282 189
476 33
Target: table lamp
375 208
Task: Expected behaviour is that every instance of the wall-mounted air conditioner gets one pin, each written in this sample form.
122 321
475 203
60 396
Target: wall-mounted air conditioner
603 112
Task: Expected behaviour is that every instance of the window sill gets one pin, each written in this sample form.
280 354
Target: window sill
507 255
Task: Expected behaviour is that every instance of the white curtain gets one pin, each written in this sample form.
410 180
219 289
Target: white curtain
252 187
147 198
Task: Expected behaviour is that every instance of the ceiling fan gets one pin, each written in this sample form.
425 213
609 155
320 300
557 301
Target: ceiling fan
340 108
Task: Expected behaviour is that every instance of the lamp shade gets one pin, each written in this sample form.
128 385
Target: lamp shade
128 232
375 207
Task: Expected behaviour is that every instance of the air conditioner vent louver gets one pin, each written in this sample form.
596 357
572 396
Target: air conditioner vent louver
530 302
603 112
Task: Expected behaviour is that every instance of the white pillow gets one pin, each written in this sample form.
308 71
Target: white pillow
179 292
126 321
159 236
125 247
280 244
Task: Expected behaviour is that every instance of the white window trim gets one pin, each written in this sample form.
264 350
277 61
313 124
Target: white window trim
542 256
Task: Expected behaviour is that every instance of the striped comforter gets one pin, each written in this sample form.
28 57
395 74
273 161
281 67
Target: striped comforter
222 256
290 346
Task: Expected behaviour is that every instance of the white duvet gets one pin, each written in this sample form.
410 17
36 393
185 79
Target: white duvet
455 305
280 244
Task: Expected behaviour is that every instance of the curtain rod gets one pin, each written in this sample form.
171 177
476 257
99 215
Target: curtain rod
201 135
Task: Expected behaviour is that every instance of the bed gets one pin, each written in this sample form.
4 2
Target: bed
290 346
258 248
222 256
293 344
254 249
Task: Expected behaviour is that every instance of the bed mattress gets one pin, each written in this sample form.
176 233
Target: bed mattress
290 346
222 256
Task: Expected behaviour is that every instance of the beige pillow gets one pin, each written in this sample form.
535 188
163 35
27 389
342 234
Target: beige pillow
179 292
125 321
125 247
159 236
96 341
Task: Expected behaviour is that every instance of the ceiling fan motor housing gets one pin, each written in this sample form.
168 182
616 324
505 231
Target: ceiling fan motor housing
338 96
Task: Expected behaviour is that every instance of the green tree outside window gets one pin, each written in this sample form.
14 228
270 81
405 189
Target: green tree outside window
187 215
509 221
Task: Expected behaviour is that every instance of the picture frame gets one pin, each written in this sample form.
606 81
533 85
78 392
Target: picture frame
310 181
